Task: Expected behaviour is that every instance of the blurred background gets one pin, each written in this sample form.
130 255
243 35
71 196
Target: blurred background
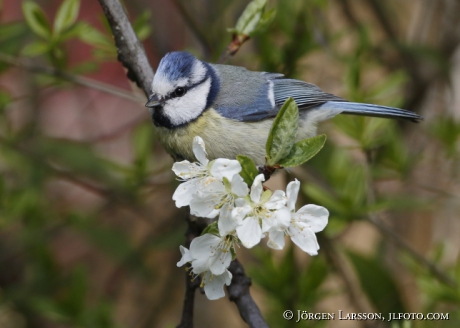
89 234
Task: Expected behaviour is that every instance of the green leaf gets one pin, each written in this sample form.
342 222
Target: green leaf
249 19
142 26
35 48
66 15
457 270
303 150
377 283
233 251
75 157
249 170
282 133
73 302
92 36
322 196
5 99
11 39
85 67
143 141
265 21
36 19
212 229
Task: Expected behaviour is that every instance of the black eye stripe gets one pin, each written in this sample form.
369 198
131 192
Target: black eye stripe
173 93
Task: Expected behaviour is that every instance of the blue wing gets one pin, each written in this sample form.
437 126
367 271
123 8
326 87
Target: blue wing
252 96
306 95
309 96
275 92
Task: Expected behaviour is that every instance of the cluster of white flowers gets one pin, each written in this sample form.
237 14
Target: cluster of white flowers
246 216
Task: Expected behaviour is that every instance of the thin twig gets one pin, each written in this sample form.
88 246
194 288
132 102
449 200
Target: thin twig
419 83
354 292
376 220
401 243
207 47
130 50
195 228
84 81
119 130
233 47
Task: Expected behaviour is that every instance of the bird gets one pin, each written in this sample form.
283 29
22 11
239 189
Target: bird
232 108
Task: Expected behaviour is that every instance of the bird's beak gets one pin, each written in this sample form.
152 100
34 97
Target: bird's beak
154 101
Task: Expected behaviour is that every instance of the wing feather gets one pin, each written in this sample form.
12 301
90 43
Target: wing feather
306 95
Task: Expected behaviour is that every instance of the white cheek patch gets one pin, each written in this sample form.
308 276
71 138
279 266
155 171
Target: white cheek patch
184 109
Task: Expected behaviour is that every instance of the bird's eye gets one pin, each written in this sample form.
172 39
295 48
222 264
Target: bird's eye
179 92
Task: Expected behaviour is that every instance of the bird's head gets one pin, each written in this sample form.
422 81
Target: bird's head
182 89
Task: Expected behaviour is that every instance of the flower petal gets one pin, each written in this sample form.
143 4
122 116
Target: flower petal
203 207
277 201
214 285
257 188
201 249
199 150
316 217
292 192
186 170
249 232
276 239
239 187
206 198
220 262
184 192
186 256
226 223
223 167
240 212
211 185
277 220
283 218
304 238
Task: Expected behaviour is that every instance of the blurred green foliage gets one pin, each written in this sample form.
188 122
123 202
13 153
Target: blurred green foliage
38 290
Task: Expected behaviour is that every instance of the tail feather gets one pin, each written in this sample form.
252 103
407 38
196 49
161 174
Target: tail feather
371 110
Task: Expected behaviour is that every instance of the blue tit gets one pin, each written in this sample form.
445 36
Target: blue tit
233 108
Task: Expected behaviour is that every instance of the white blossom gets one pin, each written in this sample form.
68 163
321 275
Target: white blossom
211 252
210 256
201 175
216 188
209 201
213 285
303 224
186 256
261 211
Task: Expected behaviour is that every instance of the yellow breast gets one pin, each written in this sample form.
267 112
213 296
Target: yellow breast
224 138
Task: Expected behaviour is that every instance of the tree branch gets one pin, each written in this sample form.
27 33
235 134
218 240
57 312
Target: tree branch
354 291
402 244
375 219
130 50
233 47
238 292
195 228
84 81
132 55
207 47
